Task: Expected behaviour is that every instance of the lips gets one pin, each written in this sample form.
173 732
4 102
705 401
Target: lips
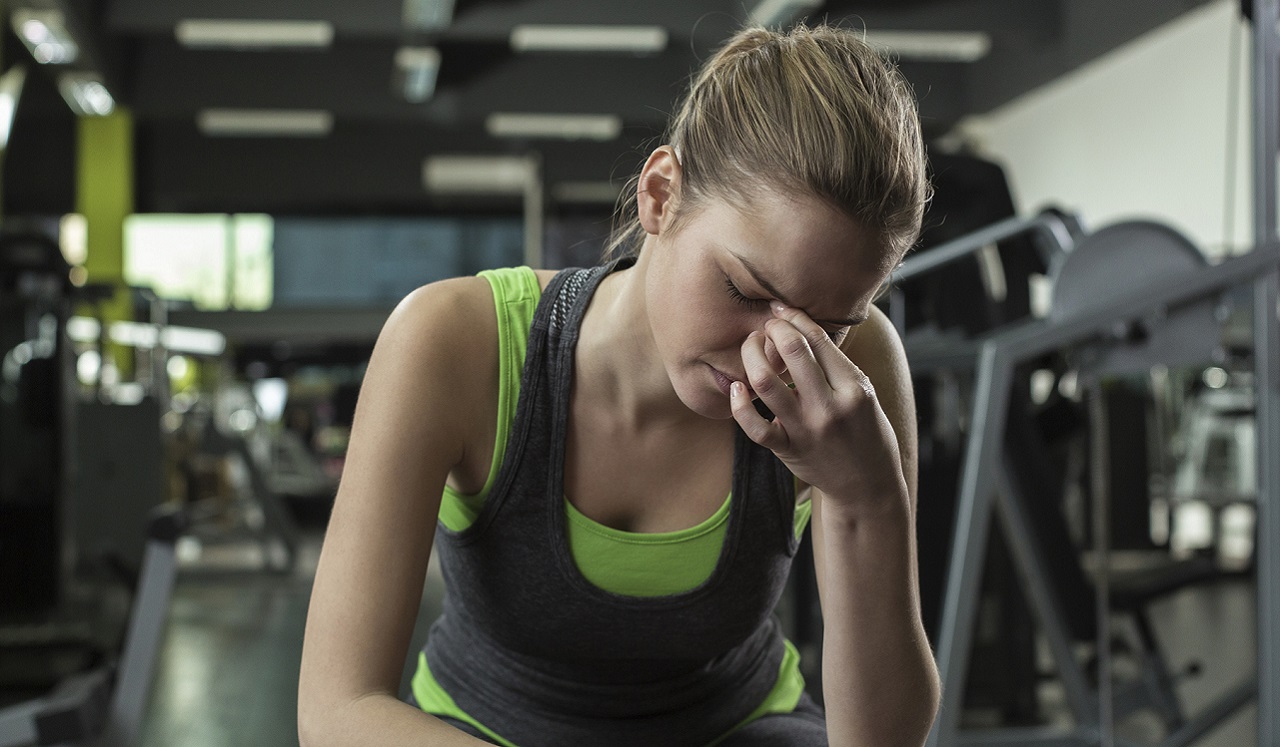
724 381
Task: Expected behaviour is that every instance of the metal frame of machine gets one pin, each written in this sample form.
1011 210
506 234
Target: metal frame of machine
986 483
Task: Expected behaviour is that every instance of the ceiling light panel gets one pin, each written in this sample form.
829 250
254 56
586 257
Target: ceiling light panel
427 15
463 174
264 122
45 35
554 126
86 94
933 46
631 39
253 35
416 70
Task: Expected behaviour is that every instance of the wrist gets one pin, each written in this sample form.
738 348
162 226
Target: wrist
892 510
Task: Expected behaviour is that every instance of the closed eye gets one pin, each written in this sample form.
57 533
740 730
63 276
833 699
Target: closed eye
736 294
739 296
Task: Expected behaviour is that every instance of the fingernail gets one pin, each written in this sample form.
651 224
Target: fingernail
735 389
754 333
778 307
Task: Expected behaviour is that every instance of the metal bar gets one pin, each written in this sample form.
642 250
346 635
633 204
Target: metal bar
929 355
534 208
1100 496
968 550
1266 115
1057 235
18 723
1266 145
142 643
1215 714
1037 584
1025 340
1030 339
1267 396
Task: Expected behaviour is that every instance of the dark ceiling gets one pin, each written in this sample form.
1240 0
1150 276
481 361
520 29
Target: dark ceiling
372 159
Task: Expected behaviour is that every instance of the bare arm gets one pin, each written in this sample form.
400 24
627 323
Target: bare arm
849 434
406 437
880 683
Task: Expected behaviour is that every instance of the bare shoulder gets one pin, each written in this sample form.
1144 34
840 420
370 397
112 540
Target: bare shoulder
441 341
875 347
444 308
446 323
544 277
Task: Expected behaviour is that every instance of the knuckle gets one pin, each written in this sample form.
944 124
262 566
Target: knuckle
794 345
816 336
761 381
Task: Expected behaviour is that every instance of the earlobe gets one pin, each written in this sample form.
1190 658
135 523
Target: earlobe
658 188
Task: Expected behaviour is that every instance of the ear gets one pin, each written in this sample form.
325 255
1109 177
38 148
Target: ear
658 189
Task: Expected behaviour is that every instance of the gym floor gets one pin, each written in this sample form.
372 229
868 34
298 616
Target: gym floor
227 674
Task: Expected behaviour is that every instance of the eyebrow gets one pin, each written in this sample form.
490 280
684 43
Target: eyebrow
755 274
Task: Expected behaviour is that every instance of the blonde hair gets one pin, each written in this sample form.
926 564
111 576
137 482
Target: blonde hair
812 110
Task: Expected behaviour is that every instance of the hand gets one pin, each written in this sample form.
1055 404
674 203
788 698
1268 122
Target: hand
829 429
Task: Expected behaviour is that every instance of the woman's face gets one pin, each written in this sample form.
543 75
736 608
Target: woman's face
709 284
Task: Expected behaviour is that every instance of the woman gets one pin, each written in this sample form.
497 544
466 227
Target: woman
585 428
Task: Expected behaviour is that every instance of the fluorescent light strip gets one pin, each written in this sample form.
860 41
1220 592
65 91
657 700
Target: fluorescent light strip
85 94
558 126
45 35
774 13
230 34
265 122
146 336
457 174
586 193
10 91
933 46
635 39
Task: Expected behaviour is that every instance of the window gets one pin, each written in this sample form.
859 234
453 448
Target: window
216 262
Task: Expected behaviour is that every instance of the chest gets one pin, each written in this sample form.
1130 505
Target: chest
660 480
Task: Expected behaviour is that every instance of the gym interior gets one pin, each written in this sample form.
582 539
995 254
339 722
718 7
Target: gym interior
208 209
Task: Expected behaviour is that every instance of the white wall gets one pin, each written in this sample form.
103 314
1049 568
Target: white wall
1139 132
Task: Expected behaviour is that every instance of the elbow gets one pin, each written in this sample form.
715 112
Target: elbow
310 726
315 714
930 703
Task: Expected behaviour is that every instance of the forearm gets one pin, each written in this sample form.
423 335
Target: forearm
377 719
879 680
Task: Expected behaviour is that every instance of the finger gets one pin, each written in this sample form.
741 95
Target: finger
798 355
834 363
770 435
764 379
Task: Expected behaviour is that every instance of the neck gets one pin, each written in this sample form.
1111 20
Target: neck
618 369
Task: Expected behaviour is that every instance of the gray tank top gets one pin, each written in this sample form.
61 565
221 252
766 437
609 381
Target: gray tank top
534 651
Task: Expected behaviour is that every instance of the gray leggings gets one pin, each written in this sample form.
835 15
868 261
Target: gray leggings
806 726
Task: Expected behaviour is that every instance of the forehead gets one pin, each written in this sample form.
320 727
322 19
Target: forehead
812 252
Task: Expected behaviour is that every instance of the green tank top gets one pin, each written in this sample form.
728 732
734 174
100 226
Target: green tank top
627 563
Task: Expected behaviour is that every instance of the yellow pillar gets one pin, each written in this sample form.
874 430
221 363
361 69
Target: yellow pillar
104 196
